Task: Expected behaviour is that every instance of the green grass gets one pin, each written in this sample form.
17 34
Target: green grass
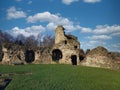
62 77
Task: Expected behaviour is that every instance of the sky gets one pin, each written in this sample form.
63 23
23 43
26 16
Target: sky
94 22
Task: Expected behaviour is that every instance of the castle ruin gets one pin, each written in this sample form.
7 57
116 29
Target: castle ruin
64 51
66 48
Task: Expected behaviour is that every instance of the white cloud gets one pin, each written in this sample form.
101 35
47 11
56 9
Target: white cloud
96 37
43 17
33 30
95 40
53 20
13 13
68 2
113 30
117 45
86 30
29 2
91 1
83 29
117 34
114 47
51 26
68 27
90 44
105 29
100 37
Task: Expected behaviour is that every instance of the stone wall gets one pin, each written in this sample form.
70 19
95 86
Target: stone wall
59 34
100 57
12 54
67 45
65 50
15 54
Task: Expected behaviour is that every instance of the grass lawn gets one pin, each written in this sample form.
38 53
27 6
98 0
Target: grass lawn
61 77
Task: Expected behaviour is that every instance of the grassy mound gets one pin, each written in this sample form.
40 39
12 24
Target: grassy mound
61 77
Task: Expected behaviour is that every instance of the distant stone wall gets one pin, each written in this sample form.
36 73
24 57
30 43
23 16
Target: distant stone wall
15 54
100 57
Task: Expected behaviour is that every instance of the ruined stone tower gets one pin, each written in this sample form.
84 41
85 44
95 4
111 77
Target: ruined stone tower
66 48
59 34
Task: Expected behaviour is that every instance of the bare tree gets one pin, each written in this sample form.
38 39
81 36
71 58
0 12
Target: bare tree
8 38
48 40
5 37
1 37
39 39
20 39
87 51
31 42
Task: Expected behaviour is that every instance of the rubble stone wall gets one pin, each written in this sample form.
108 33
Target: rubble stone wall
61 52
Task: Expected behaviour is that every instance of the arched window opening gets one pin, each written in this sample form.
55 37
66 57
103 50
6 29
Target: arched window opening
81 57
29 56
56 55
75 46
1 56
65 42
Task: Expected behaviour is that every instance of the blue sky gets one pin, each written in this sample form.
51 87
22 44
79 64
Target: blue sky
94 22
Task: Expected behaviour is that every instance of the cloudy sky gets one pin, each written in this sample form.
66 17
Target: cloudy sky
94 22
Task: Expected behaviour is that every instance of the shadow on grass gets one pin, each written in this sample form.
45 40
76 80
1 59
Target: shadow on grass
4 83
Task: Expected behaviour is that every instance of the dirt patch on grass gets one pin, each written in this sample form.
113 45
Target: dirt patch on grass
5 78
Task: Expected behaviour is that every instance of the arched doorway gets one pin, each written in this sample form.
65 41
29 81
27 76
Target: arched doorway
74 59
29 56
56 55
1 56
81 58
1 53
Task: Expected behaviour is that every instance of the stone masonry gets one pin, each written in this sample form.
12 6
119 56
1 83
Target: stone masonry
67 46
65 50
